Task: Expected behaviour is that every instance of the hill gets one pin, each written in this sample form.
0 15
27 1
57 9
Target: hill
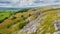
42 20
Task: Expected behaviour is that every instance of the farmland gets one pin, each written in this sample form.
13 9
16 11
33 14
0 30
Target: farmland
29 21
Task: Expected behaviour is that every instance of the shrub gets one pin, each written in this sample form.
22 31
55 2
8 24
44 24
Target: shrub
29 15
13 18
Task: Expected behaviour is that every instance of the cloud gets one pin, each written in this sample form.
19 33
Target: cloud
27 3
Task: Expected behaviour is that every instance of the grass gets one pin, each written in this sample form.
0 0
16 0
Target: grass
47 23
12 20
4 14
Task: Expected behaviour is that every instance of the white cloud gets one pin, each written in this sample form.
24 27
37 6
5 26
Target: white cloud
28 3
14 1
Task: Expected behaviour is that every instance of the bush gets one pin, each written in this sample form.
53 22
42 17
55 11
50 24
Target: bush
29 15
22 24
13 18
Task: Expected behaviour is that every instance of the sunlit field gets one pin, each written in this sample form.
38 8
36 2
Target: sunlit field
29 21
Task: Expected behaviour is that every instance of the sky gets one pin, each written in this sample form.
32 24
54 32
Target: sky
27 3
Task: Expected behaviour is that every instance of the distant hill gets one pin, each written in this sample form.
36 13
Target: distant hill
9 8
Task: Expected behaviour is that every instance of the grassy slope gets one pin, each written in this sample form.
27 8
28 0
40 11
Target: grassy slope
16 22
46 25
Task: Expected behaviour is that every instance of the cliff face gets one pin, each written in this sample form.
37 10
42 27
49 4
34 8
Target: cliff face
34 21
